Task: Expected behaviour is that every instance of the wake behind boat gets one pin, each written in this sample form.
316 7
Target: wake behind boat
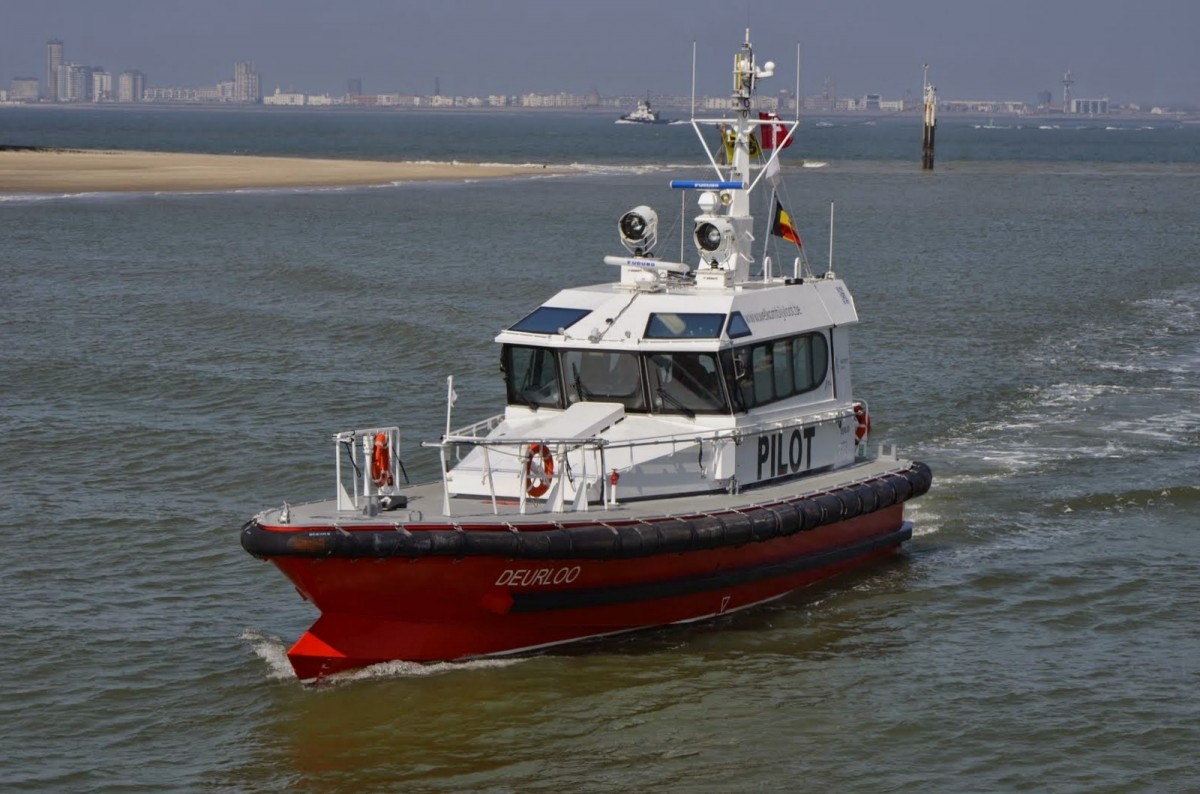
679 444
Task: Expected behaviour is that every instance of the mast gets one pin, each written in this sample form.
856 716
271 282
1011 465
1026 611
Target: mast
743 92
724 230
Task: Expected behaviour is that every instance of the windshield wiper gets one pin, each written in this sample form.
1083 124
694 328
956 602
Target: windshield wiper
525 398
671 398
580 391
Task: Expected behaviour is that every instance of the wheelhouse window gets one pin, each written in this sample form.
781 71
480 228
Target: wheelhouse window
810 356
549 319
604 376
686 383
737 326
684 325
777 370
531 376
667 382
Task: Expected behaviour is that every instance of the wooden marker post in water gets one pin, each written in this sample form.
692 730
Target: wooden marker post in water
930 123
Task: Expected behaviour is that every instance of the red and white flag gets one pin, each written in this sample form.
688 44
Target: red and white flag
773 134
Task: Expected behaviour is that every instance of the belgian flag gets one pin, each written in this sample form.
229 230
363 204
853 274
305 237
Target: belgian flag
781 225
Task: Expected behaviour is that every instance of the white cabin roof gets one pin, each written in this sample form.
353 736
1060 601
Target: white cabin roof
619 317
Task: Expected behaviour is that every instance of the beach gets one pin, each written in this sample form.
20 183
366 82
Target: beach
87 171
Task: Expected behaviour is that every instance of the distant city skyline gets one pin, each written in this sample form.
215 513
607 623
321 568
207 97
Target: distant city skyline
68 82
1015 51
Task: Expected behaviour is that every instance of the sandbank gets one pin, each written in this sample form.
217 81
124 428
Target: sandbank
87 171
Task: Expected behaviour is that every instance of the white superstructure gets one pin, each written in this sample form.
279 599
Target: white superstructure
677 377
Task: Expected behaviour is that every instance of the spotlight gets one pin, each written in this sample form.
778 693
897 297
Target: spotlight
713 236
708 237
639 230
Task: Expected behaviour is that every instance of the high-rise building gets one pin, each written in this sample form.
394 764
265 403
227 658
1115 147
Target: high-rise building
102 86
245 83
354 86
53 64
1090 107
23 89
75 82
131 86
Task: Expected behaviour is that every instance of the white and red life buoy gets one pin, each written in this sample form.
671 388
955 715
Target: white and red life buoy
381 462
864 422
539 470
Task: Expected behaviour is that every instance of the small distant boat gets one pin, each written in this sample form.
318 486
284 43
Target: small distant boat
643 115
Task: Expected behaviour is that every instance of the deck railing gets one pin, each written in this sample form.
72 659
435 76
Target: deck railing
373 456
373 476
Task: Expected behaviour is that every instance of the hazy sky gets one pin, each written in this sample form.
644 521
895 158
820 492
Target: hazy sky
1128 50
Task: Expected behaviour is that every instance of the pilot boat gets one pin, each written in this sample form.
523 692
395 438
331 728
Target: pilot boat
676 445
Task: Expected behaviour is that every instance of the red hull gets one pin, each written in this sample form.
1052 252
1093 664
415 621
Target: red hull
442 608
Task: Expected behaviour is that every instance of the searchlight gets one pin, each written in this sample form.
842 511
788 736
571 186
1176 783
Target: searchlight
639 230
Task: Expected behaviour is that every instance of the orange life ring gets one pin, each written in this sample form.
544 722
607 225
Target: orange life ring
381 461
864 422
538 482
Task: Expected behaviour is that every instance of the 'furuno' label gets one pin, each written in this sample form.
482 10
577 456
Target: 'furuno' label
532 577
779 454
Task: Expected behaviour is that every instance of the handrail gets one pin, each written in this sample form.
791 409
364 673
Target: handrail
604 448
365 492
373 477
512 441
484 424
717 434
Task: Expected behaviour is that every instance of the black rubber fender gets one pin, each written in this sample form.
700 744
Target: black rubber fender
831 507
851 502
708 532
885 492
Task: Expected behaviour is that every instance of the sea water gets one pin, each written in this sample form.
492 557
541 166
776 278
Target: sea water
171 364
